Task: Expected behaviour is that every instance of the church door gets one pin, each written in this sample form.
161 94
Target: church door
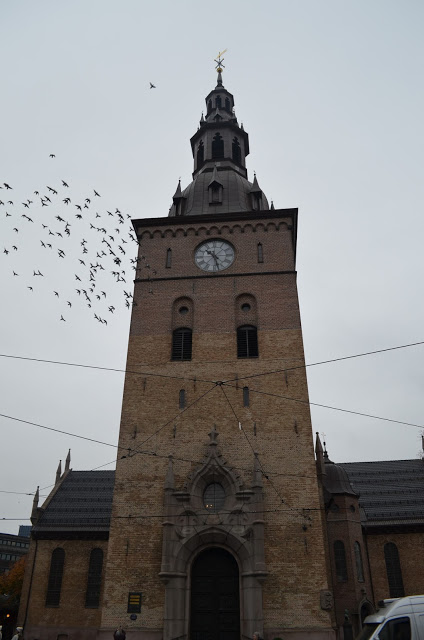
215 603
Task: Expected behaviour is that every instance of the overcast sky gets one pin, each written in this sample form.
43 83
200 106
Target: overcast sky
331 95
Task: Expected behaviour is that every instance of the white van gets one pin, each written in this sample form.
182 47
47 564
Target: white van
396 619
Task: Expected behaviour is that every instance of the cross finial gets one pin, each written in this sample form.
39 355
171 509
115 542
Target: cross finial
219 66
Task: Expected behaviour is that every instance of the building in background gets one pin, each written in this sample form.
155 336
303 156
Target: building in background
12 548
219 520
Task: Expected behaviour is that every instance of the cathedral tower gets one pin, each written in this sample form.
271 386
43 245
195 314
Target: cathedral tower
217 528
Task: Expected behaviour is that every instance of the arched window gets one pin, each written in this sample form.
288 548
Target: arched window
200 154
247 342
94 581
55 578
394 571
227 105
260 252
245 396
168 258
181 344
214 497
358 562
340 560
218 103
209 106
236 150
181 399
217 146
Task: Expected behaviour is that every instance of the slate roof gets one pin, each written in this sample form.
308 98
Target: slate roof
83 502
391 493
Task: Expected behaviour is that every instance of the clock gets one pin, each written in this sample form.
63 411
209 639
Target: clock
214 255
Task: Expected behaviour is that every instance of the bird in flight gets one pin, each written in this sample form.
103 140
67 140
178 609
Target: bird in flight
62 318
52 155
6 185
96 194
152 86
64 184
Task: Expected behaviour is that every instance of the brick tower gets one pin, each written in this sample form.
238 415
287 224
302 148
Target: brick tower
217 528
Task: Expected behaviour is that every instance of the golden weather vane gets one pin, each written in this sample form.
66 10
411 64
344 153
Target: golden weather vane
219 66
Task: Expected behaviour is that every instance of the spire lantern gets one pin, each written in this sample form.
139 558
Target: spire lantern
220 147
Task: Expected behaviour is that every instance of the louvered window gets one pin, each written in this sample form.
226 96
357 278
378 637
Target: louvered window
394 572
94 581
247 342
181 344
55 578
340 560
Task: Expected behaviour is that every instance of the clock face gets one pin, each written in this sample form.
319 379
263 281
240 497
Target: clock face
214 255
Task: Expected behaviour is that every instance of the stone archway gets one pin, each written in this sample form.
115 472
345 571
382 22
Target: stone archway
214 601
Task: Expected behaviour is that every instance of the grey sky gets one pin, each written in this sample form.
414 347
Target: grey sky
331 96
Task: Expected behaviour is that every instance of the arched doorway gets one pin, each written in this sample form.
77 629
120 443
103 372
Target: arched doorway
215 602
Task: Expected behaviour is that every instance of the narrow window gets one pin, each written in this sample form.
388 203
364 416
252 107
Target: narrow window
227 105
247 342
245 396
218 102
260 252
358 562
257 201
200 154
55 578
181 344
394 571
340 560
209 106
215 194
236 151
181 399
168 258
94 581
217 146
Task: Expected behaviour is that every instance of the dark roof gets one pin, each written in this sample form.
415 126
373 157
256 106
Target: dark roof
83 502
336 480
390 492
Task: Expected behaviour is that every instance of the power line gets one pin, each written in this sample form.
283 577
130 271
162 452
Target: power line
315 364
255 375
326 406
250 445
89 366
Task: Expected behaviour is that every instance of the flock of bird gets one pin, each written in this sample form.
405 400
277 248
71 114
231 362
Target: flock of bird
97 245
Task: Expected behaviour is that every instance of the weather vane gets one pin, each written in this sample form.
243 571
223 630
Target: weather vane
219 66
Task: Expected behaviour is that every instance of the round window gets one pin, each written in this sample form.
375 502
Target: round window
183 310
214 497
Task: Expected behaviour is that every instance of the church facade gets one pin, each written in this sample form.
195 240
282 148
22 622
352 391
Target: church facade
220 519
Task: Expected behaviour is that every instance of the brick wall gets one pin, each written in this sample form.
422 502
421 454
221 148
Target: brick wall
279 429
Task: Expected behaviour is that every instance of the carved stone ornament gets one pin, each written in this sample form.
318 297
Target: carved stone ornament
326 600
189 528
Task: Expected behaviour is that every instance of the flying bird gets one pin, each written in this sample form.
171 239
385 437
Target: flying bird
62 318
6 185
96 194
64 184
52 155
152 86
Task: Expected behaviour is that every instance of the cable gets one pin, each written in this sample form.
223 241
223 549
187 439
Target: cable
326 406
314 364
250 445
255 375
89 366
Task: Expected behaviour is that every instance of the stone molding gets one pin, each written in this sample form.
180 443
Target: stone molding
188 529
